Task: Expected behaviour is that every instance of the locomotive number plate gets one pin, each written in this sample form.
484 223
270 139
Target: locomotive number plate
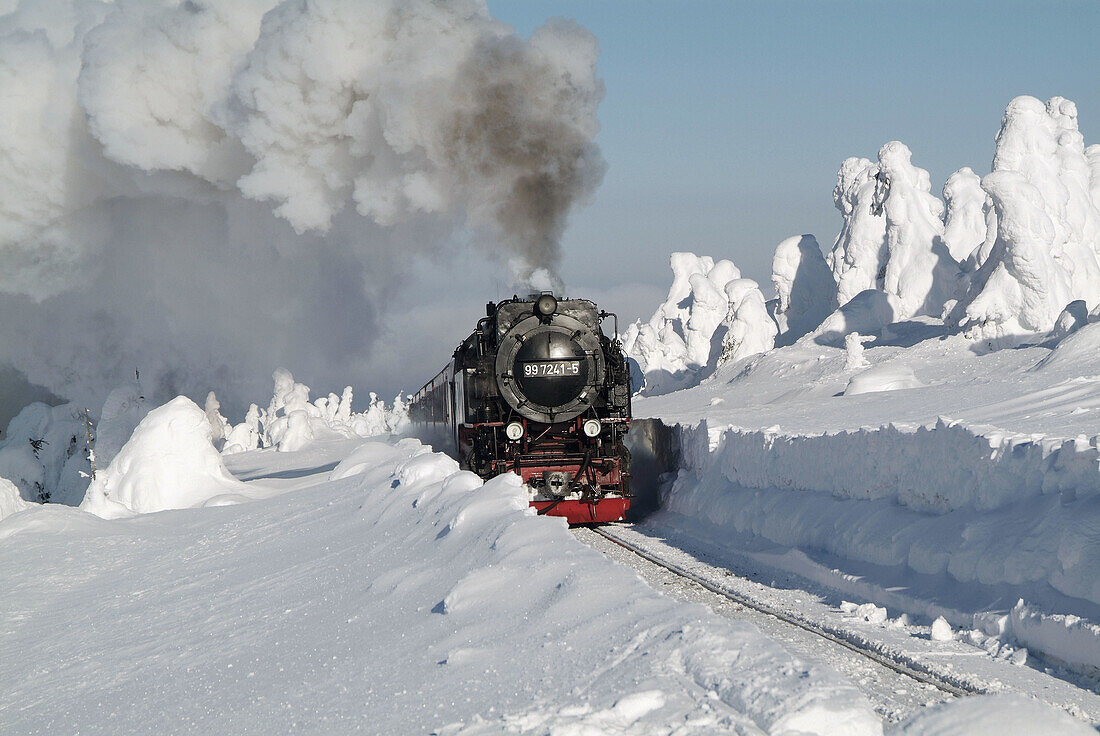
549 370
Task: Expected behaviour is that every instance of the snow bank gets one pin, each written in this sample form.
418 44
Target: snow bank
488 618
10 500
168 463
885 377
994 715
942 467
979 509
1075 354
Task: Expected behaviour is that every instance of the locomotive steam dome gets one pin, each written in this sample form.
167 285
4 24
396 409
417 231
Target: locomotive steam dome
549 365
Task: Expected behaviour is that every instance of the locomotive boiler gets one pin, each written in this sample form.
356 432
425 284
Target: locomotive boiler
538 389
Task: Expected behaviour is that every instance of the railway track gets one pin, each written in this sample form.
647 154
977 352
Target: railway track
931 685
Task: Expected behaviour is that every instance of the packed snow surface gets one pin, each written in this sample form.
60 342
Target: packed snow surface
391 593
1003 715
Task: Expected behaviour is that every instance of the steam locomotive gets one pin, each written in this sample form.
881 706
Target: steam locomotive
539 390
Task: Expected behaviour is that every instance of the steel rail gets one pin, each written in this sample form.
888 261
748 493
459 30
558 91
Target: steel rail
913 670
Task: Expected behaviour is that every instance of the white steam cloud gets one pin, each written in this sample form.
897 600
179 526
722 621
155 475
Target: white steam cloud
206 189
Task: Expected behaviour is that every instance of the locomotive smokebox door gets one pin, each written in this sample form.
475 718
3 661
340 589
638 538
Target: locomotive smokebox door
550 369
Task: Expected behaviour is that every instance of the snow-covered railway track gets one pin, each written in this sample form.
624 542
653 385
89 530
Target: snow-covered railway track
913 670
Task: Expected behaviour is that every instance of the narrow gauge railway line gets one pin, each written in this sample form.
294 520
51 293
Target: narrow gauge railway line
894 702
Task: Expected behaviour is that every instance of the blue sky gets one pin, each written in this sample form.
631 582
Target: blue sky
725 122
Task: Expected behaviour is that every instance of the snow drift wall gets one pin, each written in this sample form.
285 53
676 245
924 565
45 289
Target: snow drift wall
10 500
939 468
286 161
972 506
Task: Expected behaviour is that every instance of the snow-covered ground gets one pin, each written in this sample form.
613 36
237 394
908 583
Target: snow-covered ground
367 584
390 593
973 496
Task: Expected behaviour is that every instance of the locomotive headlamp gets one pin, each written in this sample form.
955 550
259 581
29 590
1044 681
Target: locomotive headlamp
592 427
514 430
546 305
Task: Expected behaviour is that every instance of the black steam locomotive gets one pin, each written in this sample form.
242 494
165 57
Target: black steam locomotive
539 390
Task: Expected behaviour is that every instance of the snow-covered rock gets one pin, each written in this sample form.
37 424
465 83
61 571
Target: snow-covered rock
867 313
941 630
168 463
994 715
1072 318
1074 354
